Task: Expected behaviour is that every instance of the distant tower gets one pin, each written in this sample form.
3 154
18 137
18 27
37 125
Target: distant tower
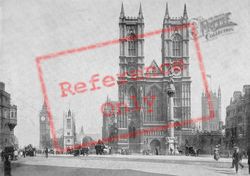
215 123
45 139
219 109
69 130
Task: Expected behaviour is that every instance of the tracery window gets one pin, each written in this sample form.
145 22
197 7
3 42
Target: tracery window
177 45
156 113
132 96
132 45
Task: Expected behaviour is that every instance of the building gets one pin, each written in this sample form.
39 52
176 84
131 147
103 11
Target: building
69 130
145 86
215 123
237 119
109 120
45 135
8 119
110 128
247 103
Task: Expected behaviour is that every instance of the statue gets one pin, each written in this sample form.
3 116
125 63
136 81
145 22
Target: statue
171 88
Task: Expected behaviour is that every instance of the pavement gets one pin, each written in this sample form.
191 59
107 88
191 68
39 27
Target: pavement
129 165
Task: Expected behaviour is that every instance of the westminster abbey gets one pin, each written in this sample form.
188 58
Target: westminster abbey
152 83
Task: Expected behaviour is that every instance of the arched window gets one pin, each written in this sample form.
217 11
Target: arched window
177 45
155 114
132 45
132 96
132 131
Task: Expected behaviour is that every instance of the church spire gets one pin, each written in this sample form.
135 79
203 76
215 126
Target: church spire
44 108
122 14
166 12
140 12
185 12
219 92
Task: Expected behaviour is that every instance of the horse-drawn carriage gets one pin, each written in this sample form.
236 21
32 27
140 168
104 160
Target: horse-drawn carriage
190 150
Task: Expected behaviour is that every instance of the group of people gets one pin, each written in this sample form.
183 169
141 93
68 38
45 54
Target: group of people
99 147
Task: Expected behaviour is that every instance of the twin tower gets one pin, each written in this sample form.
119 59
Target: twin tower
153 82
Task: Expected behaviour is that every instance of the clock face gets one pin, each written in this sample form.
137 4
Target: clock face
42 118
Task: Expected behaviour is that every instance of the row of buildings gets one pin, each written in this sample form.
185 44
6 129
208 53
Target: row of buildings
8 119
238 119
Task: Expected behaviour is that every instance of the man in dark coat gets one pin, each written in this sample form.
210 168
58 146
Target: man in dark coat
237 157
248 155
46 152
7 166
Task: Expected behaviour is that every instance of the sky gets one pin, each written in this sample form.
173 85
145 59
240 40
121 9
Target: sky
33 28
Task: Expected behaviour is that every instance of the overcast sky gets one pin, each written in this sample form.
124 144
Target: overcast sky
32 28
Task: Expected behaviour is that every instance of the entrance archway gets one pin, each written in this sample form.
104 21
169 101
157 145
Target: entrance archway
155 146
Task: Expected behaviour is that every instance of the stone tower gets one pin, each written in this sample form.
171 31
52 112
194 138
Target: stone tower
143 101
175 49
69 130
45 138
131 62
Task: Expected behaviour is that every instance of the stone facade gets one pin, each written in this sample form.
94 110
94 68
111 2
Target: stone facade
237 119
143 101
8 119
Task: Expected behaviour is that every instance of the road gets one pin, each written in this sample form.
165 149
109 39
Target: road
129 165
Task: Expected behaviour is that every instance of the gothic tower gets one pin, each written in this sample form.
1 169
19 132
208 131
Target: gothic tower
45 139
175 47
69 129
219 109
131 62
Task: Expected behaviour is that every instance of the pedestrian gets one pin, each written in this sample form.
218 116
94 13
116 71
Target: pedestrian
237 159
171 150
7 166
15 154
216 153
46 152
248 155
156 151
2 155
24 153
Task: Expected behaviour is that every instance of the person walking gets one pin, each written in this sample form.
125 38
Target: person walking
216 153
237 159
156 151
2 155
46 152
248 156
7 166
